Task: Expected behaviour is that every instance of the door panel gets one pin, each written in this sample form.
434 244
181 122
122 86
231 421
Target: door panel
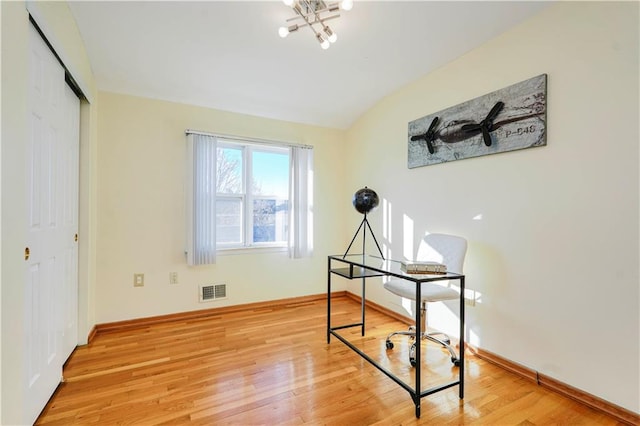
51 284
68 172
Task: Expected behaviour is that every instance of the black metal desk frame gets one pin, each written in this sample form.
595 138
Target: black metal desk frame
366 266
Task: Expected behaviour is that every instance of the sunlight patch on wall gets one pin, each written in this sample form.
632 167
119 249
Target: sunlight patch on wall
472 297
387 229
386 220
407 238
473 338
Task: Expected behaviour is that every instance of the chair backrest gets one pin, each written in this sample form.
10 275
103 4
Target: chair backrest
447 249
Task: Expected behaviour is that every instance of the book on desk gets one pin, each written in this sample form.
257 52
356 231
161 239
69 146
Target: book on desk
423 267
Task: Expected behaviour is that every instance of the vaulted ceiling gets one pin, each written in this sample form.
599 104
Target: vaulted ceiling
228 55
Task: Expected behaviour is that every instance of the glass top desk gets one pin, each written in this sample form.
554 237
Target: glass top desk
359 266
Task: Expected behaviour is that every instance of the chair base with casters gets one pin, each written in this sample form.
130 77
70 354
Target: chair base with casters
411 332
446 249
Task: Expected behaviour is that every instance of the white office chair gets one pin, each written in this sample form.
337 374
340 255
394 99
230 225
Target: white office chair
449 250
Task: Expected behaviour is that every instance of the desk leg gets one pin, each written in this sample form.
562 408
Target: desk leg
363 304
418 343
462 337
328 300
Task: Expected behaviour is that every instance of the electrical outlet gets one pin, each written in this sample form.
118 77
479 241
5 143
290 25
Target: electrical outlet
173 278
138 280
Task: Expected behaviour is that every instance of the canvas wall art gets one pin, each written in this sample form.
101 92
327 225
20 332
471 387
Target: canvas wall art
508 119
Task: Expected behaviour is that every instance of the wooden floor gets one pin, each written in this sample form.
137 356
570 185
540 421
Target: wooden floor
273 366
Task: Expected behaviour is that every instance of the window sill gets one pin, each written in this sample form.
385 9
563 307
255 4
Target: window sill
250 250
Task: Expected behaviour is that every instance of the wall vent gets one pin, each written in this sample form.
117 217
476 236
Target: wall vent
212 292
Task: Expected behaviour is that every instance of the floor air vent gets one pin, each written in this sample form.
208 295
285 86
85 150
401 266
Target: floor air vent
213 292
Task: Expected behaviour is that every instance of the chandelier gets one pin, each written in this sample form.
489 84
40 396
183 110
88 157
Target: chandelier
314 14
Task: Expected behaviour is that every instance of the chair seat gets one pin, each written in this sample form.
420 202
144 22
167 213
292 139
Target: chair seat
430 292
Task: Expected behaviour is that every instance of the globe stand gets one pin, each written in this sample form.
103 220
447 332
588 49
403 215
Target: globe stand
364 237
364 200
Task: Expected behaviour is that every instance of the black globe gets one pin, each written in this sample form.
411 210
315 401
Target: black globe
365 200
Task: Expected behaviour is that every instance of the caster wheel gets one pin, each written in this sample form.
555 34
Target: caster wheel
389 344
455 361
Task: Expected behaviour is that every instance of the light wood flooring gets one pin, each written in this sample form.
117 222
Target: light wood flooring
272 366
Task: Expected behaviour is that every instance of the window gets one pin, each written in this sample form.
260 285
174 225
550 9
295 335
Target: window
247 194
252 189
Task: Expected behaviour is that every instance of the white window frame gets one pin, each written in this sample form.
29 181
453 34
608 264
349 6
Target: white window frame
201 210
246 198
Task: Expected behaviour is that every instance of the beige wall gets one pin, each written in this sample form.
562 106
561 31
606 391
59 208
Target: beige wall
56 21
554 257
548 214
141 211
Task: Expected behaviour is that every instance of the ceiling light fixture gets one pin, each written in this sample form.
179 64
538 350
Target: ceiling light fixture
315 12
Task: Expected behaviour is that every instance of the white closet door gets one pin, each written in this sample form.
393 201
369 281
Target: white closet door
69 172
52 207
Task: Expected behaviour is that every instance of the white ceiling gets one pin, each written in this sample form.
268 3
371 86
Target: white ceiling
228 55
